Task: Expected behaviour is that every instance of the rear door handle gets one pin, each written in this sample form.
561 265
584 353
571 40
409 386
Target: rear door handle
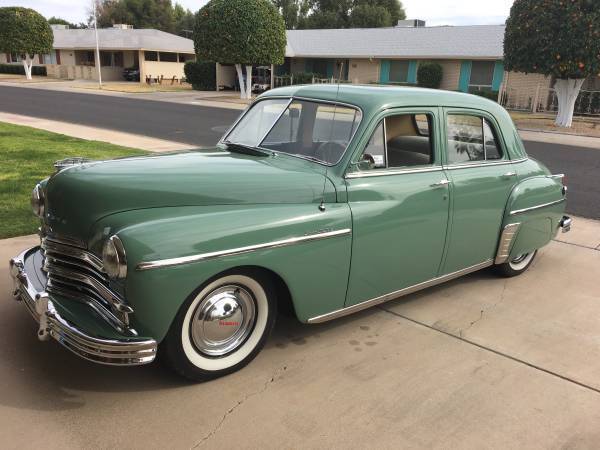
441 183
510 174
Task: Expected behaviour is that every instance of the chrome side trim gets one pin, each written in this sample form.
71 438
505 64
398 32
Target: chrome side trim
485 164
126 351
532 208
400 293
506 239
240 250
384 173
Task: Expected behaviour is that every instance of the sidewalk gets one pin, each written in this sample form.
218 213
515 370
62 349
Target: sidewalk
96 134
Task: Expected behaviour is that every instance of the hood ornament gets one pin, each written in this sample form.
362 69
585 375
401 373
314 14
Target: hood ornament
70 162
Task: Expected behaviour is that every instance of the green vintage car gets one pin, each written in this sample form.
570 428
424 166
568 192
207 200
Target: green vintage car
322 199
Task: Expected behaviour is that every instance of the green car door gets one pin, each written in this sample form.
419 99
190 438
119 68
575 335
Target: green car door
399 199
482 177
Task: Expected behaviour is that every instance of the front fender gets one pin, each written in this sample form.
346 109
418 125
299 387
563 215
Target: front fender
315 271
534 210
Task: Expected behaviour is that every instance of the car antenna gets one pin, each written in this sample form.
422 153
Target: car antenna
337 94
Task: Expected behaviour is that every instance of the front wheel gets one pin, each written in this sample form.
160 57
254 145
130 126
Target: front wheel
516 266
221 327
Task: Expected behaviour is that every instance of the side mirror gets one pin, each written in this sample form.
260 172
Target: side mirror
367 163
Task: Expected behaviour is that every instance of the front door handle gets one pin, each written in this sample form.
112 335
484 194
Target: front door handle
510 174
440 183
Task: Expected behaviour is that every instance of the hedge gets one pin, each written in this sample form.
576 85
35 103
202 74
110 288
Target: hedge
201 75
18 69
430 75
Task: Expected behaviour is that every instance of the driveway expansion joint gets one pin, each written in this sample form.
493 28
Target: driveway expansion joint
576 245
494 351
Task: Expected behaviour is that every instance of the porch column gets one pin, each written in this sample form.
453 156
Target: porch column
217 75
142 66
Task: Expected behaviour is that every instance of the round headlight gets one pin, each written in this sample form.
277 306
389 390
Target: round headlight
113 258
37 201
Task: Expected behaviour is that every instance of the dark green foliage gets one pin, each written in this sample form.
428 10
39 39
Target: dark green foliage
240 32
558 38
429 75
305 77
18 69
201 75
58 21
370 16
490 95
24 31
346 13
157 14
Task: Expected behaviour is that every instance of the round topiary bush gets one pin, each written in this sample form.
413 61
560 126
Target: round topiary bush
201 75
429 75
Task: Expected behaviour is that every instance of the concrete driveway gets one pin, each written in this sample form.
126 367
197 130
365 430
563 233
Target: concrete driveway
478 362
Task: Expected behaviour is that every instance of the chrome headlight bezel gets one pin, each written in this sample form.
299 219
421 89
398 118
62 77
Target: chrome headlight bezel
38 201
114 260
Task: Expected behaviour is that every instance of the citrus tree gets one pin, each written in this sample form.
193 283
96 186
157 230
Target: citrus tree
559 38
240 32
25 32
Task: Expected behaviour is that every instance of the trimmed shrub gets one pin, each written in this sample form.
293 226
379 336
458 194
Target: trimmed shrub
305 77
490 95
201 75
429 75
18 69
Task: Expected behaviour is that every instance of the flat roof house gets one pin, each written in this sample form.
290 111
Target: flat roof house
154 52
471 56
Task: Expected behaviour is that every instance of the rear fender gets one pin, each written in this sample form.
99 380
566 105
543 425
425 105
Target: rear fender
532 216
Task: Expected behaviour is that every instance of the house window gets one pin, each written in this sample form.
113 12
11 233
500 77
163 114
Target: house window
106 59
168 57
50 58
482 75
84 58
320 67
183 57
399 71
151 56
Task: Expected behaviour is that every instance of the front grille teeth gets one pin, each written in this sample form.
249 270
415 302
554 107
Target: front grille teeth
75 273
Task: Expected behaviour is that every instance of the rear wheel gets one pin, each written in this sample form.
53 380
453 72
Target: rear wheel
516 266
221 327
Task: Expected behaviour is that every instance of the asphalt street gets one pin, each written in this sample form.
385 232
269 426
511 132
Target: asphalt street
201 125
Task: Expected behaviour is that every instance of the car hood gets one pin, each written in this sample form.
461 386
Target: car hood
79 196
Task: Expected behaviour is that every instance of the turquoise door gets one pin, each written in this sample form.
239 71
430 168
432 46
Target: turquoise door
399 207
482 177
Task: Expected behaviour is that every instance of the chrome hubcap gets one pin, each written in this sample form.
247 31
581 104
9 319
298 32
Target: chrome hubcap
223 320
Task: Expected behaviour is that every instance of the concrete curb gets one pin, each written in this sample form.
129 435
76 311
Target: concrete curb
96 134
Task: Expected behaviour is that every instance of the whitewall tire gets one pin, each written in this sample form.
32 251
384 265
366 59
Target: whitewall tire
517 265
222 326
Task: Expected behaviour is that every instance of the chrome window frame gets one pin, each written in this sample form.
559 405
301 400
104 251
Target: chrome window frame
389 171
306 99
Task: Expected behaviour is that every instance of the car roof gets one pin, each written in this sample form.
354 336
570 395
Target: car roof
371 98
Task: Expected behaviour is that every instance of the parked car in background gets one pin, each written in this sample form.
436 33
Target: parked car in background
131 74
324 199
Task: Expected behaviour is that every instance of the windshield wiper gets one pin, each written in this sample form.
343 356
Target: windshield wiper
245 149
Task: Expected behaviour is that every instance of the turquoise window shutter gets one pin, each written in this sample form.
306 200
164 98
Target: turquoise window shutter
498 75
384 71
412 72
465 76
329 69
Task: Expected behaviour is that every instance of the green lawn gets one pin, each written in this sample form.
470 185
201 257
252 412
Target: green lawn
26 157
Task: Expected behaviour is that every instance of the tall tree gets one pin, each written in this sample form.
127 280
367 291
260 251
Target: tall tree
58 21
347 13
26 32
555 38
240 32
156 14
183 21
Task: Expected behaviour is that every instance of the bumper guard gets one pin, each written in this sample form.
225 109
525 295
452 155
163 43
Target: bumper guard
118 352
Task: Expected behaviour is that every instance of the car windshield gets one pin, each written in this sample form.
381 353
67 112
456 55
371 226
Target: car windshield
308 129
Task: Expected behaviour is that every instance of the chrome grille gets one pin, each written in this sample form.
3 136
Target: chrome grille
74 272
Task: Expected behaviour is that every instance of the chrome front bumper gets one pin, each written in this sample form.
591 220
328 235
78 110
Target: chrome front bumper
120 352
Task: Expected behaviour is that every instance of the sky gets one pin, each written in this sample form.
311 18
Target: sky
434 12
